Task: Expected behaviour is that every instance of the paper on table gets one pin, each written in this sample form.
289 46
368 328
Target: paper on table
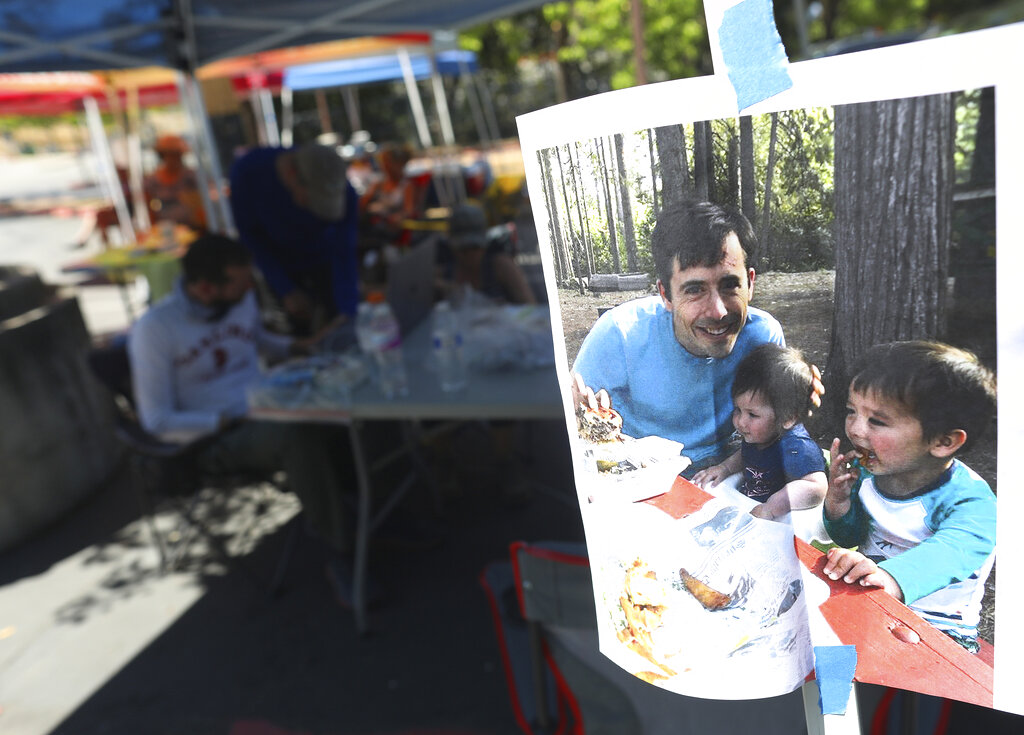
652 626
640 469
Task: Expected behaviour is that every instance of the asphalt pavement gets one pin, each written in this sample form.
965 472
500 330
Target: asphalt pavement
95 639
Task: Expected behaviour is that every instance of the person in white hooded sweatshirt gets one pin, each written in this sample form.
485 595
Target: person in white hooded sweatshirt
192 356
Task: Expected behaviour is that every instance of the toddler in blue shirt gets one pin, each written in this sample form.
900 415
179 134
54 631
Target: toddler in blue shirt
783 469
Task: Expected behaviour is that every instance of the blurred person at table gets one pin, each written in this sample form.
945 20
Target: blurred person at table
666 363
297 214
193 355
391 199
172 191
468 261
99 220
471 261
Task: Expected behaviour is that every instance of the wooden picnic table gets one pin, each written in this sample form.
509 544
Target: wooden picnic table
866 617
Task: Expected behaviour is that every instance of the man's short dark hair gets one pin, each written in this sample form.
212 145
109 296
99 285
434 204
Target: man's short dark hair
692 233
781 377
209 256
944 387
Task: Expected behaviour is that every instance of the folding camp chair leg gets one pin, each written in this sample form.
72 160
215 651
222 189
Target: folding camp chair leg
539 671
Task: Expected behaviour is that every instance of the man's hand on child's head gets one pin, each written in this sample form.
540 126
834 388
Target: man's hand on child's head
817 387
855 568
841 477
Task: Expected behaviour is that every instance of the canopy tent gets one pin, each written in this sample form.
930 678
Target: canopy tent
67 35
408 67
184 35
342 72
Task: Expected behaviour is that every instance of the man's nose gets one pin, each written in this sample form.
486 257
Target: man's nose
716 306
854 427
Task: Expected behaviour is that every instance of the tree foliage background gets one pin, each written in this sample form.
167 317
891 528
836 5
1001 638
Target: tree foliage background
791 205
566 50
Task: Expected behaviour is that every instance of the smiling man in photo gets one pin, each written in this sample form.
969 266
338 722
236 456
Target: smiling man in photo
666 362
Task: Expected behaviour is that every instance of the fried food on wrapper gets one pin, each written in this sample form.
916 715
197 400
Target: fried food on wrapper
709 598
598 425
643 606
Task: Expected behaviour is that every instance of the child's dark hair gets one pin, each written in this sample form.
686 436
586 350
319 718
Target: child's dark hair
781 376
945 387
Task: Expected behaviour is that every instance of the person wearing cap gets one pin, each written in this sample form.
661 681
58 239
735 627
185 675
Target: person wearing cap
487 269
171 191
297 213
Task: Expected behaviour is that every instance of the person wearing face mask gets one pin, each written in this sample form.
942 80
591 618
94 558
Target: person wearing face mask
192 356
297 214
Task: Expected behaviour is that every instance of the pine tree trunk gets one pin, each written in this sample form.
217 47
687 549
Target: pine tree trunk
572 240
894 176
701 161
732 166
765 247
654 171
608 182
748 203
628 231
671 143
554 227
586 237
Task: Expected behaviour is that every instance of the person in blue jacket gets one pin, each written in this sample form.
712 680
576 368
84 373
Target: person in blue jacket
923 522
298 215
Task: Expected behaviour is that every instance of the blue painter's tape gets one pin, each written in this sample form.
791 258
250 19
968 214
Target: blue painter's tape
755 59
834 667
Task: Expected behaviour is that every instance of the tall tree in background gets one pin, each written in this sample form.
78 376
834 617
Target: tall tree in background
654 171
554 226
732 166
606 178
894 176
573 240
586 238
765 247
628 230
675 175
703 160
748 203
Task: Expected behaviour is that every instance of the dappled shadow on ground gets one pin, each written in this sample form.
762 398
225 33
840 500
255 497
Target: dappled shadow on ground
430 661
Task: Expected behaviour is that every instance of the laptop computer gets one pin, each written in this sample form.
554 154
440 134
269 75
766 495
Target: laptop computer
410 285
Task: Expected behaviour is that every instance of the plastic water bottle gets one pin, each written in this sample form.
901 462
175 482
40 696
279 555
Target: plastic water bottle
387 351
364 337
447 340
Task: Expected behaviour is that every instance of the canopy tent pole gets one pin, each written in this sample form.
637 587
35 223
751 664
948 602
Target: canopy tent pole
287 117
457 193
323 112
202 173
266 106
107 171
488 105
474 103
350 96
218 210
134 146
258 119
412 90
